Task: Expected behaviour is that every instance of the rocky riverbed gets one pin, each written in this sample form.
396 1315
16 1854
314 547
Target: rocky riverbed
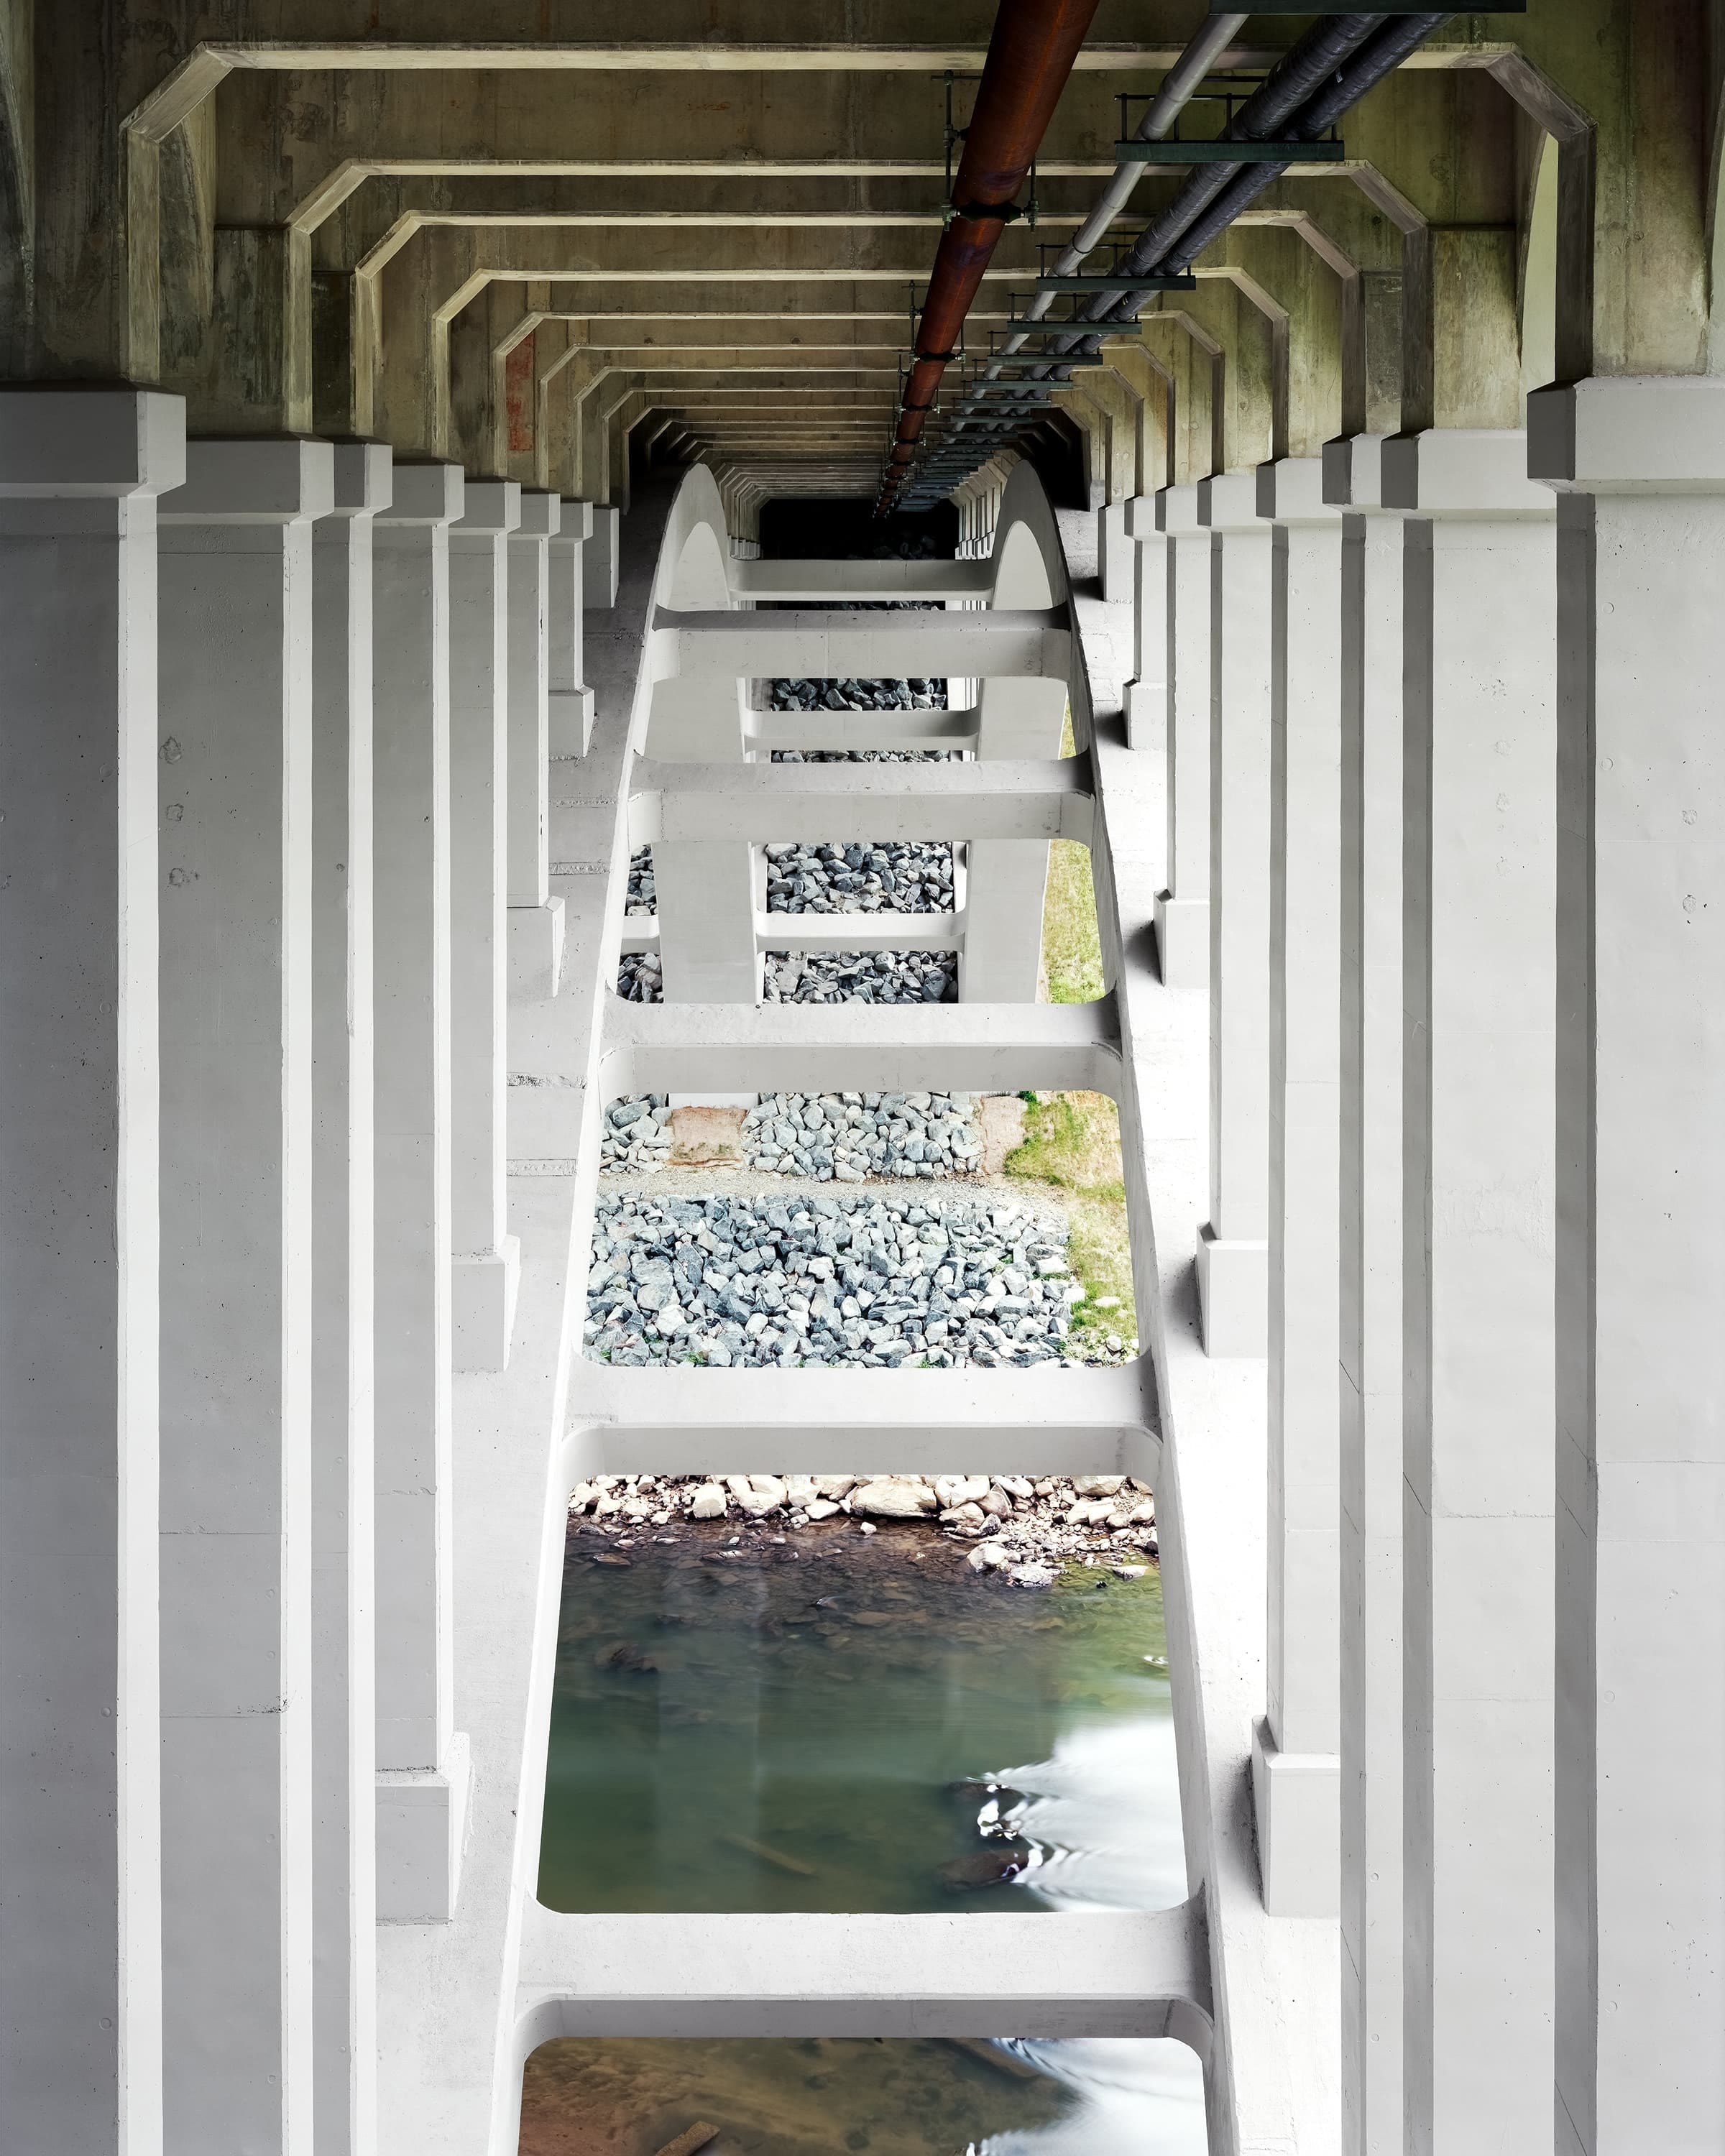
1020 1527
881 1280
822 1137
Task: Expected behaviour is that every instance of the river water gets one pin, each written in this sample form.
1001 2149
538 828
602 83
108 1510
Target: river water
838 1723
822 2096
821 1725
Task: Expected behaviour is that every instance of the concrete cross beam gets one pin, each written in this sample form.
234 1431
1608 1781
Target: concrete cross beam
835 645
865 1976
763 802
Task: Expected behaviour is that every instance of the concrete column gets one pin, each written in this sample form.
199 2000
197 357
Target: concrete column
1640 1194
600 558
1369 1363
422 1760
486 1257
1006 880
235 785
569 699
81 1966
1145 696
1182 928
1233 1245
1114 554
534 922
1295 1766
705 897
343 1612
1478 1288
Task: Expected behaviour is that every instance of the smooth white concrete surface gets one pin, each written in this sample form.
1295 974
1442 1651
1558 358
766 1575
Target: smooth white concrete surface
1270 2076
1182 928
1114 554
343 1172
1025 642
1144 696
1639 464
1369 1364
1233 1247
1481 761
80 1962
416 1726
535 927
1297 1763
598 557
705 899
235 567
1097 1972
486 1263
568 698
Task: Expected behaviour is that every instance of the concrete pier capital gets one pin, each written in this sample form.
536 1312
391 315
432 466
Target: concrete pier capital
1141 518
61 444
540 514
1177 510
425 494
1354 473
253 482
574 519
1629 435
1475 473
364 479
1228 501
1291 490
489 507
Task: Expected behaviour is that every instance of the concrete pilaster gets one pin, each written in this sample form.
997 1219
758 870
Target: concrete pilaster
343 1170
704 896
1370 1362
422 1760
1183 909
1144 698
237 1146
535 924
1006 880
486 1258
569 700
80 2039
600 558
1233 1247
1640 1194
1478 1287
1295 1766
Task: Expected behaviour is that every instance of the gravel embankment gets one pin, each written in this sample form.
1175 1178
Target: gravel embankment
1024 1528
867 1279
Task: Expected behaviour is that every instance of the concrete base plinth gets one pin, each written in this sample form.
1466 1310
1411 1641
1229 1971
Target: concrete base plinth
1296 1798
536 951
482 1305
1234 1295
422 1825
1144 707
571 722
1182 941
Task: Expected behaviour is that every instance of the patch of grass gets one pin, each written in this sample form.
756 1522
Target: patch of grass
1071 948
1072 1145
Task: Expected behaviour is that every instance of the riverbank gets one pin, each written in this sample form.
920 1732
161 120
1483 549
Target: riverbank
1022 1529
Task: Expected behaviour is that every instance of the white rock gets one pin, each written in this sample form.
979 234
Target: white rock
1099 1485
709 1502
820 1508
960 1489
988 1557
581 1496
894 1498
834 1486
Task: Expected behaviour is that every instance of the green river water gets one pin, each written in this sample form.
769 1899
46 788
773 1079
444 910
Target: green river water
782 1729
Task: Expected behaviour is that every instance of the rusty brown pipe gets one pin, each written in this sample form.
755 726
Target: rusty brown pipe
1030 54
